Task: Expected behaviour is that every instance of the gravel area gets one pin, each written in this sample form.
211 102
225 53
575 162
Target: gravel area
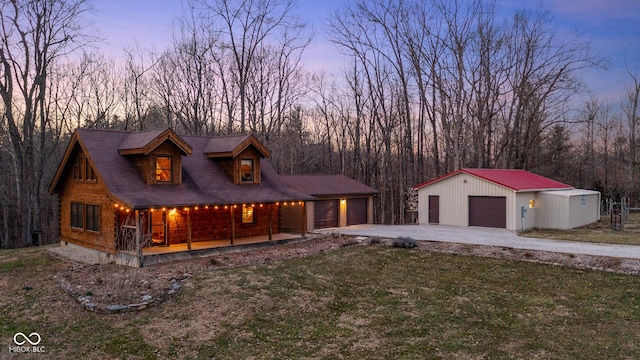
489 237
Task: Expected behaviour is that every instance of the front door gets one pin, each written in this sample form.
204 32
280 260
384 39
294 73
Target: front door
158 227
434 209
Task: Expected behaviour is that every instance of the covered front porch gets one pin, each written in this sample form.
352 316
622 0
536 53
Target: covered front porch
159 231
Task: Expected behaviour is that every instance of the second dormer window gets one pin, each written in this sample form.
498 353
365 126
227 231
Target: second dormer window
163 169
246 170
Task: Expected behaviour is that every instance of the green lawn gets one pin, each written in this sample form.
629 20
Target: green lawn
599 232
359 302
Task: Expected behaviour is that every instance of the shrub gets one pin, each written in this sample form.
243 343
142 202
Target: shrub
376 240
404 242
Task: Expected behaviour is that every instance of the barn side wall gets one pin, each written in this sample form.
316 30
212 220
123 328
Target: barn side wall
565 209
454 195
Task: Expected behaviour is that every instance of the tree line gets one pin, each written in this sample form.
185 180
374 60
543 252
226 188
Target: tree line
427 87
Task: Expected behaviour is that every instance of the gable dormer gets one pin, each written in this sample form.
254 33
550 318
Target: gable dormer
157 154
239 156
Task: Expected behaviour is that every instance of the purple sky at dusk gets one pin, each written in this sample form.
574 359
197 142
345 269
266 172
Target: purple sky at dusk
612 27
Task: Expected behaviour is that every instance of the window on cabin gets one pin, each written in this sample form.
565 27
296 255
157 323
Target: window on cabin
77 168
247 215
93 217
246 170
163 169
77 215
89 173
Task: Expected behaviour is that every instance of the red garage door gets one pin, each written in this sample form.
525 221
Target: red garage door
488 211
325 214
356 211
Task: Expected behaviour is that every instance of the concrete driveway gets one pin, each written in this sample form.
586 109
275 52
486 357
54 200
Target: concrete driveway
487 236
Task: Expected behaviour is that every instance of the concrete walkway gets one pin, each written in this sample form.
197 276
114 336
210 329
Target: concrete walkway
489 237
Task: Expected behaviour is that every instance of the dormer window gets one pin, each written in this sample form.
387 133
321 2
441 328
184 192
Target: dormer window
246 171
164 169
157 154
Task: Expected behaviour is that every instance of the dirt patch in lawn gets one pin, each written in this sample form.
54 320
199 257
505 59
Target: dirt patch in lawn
114 288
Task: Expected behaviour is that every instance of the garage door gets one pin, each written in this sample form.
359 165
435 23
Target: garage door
488 211
325 214
356 211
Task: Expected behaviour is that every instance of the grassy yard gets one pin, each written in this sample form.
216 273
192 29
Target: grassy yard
599 232
357 302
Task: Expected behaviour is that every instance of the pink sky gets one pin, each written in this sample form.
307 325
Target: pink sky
612 26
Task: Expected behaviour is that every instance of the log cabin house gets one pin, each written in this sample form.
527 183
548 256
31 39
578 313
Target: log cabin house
123 193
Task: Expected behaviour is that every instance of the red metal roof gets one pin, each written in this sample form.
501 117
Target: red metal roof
516 180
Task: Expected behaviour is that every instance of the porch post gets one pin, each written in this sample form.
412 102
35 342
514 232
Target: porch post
188 229
138 237
233 224
304 218
270 228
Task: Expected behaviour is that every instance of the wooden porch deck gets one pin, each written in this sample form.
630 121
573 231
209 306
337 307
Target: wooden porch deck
212 244
163 254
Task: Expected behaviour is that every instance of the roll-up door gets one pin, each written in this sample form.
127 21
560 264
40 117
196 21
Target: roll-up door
356 211
325 214
488 211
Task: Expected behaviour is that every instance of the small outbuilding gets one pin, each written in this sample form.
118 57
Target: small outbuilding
505 198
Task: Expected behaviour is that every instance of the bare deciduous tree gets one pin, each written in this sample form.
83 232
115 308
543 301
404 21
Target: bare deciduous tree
34 35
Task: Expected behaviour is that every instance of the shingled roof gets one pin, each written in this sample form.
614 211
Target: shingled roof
328 185
203 180
230 146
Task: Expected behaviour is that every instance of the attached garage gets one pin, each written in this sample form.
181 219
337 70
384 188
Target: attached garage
503 198
341 201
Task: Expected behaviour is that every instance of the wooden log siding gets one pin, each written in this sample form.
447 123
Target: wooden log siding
215 224
87 192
